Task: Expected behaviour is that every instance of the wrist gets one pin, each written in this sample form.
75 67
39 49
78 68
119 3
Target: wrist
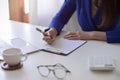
96 35
91 35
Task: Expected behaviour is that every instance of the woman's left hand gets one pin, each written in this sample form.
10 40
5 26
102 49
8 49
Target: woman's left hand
78 35
83 35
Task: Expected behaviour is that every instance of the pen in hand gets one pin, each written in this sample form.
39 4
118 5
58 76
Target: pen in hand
43 32
39 30
46 36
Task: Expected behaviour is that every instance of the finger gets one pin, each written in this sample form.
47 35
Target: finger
45 33
73 38
48 35
70 35
49 41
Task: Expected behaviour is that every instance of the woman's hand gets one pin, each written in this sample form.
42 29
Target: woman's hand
50 35
92 35
77 35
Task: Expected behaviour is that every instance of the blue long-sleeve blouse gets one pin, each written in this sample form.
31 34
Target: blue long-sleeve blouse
87 23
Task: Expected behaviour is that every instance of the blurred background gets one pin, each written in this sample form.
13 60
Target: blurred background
37 12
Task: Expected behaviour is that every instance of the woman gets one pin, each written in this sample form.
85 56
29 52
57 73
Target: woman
99 20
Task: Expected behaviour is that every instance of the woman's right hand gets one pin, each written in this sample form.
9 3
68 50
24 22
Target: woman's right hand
50 35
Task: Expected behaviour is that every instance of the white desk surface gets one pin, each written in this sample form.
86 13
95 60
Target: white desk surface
76 62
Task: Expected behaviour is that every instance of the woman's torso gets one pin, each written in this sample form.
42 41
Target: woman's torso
88 15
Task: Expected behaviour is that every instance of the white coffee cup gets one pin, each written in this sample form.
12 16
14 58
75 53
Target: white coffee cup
13 56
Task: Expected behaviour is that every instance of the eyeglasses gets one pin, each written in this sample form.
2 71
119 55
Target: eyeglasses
59 71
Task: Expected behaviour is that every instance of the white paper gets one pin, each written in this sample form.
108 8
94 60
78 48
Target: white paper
63 45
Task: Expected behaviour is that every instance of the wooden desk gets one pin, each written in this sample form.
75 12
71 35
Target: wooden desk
77 62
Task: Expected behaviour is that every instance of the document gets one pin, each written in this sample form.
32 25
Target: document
62 46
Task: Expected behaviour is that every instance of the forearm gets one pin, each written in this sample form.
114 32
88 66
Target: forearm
97 35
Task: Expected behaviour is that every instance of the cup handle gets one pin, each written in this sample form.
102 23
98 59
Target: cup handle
24 57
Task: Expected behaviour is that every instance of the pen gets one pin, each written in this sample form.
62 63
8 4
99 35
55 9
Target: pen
43 32
39 30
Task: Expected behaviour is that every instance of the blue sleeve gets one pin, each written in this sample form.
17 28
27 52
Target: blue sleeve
63 16
114 36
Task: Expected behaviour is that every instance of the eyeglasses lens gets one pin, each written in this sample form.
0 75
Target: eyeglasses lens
44 71
60 73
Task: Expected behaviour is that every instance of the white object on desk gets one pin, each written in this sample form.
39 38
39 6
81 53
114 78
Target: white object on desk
101 63
62 46
17 42
23 45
